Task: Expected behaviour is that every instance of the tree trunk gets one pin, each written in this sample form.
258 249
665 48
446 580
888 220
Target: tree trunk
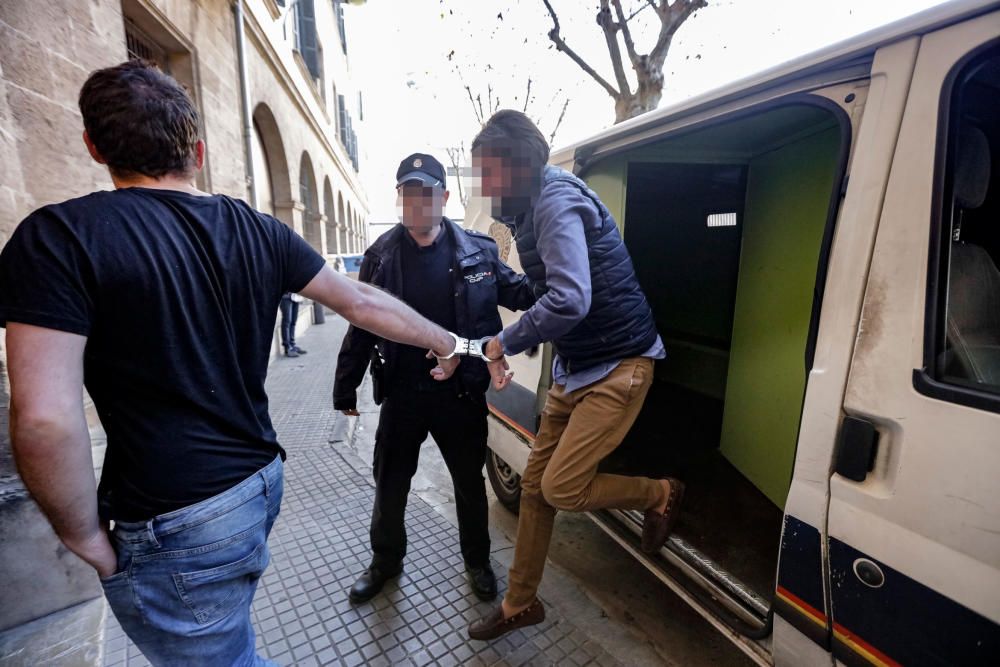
645 98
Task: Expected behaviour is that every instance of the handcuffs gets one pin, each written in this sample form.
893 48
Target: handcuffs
470 347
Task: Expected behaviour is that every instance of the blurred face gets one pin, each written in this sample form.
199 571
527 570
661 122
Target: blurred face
420 206
492 175
510 182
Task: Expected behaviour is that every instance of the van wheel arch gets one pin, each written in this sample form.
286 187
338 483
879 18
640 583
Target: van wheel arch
505 482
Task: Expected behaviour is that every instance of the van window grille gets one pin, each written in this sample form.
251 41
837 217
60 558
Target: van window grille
722 220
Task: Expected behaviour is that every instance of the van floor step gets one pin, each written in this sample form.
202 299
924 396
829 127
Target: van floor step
722 600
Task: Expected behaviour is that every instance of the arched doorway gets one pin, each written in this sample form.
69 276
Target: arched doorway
342 224
310 202
272 184
351 236
331 218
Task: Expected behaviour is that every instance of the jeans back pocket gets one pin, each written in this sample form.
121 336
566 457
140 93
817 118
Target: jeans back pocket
213 593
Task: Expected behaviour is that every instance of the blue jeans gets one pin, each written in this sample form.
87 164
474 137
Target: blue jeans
289 315
186 579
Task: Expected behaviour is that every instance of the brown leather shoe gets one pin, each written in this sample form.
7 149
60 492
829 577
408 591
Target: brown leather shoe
656 527
495 625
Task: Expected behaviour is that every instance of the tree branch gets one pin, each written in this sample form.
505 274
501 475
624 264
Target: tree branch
527 96
552 137
479 116
626 33
650 3
457 158
670 21
610 29
562 46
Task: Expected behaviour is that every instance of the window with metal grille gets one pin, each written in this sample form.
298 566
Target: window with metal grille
142 46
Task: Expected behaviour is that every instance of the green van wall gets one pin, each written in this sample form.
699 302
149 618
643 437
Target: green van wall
788 194
607 179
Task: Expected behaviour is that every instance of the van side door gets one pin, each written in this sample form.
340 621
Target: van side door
913 542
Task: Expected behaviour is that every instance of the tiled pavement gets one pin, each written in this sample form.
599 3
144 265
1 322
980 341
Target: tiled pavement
319 545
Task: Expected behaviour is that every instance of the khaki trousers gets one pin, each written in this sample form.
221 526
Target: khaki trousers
577 432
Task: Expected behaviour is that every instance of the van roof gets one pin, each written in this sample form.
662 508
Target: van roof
851 52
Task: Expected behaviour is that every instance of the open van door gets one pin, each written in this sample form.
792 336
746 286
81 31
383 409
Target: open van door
913 541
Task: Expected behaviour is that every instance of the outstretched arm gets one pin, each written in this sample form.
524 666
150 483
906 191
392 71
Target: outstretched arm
385 316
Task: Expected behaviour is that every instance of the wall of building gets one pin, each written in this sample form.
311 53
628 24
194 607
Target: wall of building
47 49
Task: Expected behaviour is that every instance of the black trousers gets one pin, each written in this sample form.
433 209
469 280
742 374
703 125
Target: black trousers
289 313
458 425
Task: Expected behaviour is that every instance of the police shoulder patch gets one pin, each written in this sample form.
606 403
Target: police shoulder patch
477 234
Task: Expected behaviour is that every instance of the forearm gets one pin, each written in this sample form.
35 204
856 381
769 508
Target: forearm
540 324
376 311
562 246
389 318
54 461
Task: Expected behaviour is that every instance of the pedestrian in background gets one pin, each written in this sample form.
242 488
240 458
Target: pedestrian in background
289 315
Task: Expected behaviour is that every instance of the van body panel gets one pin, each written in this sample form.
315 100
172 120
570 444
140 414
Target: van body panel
508 443
847 270
791 647
928 511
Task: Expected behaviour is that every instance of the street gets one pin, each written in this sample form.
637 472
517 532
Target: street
602 609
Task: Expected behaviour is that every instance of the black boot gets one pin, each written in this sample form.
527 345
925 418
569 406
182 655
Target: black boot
371 582
483 581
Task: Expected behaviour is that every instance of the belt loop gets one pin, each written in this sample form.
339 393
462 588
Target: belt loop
267 483
152 533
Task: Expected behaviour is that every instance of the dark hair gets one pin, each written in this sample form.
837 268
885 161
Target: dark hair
510 133
140 120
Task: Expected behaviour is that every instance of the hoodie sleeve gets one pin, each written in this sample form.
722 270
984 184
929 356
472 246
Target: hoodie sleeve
562 245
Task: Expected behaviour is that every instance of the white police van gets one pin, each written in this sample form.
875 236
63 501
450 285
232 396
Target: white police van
820 245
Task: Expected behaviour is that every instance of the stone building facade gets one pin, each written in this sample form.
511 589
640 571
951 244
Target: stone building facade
281 125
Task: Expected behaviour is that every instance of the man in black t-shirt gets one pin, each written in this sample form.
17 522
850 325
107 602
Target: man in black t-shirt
162 299
453 277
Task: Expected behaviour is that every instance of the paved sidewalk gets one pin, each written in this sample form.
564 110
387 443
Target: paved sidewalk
319 545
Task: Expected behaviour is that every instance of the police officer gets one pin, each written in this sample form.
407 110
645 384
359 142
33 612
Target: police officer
454 277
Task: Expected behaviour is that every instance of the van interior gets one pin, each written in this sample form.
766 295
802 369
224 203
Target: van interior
969 326
727 226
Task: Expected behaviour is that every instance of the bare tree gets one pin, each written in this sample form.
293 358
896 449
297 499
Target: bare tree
456 156
648 68
482 109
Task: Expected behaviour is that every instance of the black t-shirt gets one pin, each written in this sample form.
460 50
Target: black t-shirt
428 287
177 295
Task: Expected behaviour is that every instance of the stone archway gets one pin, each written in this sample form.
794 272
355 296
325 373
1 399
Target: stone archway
341 224
309 198
351 232
330 218
272 182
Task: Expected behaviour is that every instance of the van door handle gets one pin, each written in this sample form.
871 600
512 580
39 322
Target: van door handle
856 449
